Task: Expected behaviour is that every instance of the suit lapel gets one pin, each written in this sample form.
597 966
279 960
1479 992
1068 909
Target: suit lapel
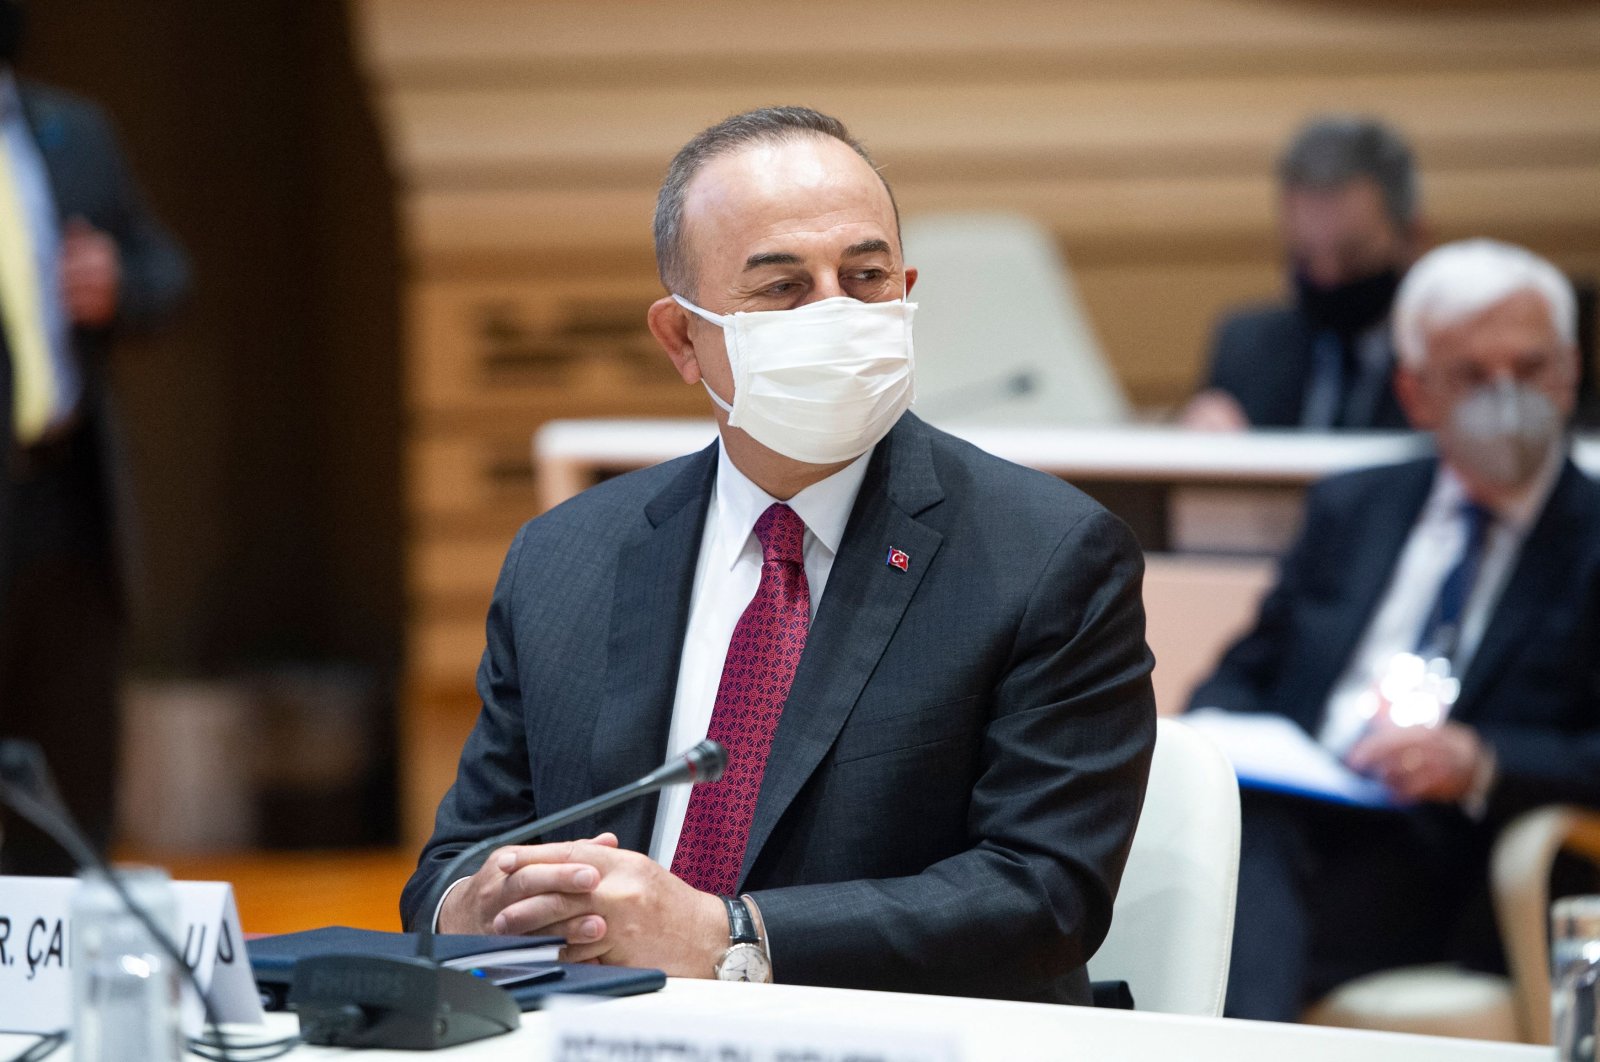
50 136
1549 555
860 610
649 614
1388 515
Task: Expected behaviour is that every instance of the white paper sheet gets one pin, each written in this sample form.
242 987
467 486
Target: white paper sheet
1271 752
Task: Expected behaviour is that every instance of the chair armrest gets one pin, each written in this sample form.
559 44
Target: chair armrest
1520 878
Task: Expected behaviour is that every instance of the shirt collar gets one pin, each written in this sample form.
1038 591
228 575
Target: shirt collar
1518 513
824 507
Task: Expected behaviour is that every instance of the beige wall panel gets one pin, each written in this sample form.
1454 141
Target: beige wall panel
1126 126
455 573
1195 609
445 650
520 350
557 39
460 473
1156 319
431 738
458 231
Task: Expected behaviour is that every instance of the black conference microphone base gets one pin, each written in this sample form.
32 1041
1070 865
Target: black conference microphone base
395 1002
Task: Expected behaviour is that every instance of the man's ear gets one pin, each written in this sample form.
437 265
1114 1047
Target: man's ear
1414 399
669 323
911 279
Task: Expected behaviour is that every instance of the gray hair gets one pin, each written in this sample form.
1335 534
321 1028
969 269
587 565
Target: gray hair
766 125
1460 280
1332 150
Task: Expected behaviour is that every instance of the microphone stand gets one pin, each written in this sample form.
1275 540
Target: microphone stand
413 1003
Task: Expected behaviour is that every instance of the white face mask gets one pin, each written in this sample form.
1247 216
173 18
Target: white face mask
820 383
1503 432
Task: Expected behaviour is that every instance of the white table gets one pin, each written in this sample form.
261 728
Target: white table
987 1030
568 453
1214 492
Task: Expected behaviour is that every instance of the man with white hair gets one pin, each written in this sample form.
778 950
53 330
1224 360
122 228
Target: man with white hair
1468 583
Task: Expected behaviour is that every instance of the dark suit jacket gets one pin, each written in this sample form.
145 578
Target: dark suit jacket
962 758
89 179
1532 689
1262 357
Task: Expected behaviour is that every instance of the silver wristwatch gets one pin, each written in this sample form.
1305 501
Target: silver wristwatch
746 958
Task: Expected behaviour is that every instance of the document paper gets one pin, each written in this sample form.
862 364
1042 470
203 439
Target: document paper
1271 752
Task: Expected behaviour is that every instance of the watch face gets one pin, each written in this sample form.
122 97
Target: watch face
744 962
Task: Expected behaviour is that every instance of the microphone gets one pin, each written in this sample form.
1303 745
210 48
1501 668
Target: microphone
25 780
413 1003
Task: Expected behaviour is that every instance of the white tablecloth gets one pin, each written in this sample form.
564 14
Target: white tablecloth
987 1030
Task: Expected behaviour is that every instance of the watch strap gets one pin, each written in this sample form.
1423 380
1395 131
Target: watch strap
741 927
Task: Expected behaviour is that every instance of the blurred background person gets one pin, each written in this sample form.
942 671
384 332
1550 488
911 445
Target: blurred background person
1349 224
1485 561
81 261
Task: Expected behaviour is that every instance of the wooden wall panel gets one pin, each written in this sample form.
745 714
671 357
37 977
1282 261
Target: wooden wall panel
1062 126
529 137
559 40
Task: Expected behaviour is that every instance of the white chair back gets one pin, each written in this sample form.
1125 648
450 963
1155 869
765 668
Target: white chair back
1172 926
1001 335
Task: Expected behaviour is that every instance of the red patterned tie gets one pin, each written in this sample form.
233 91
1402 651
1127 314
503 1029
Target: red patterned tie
762 657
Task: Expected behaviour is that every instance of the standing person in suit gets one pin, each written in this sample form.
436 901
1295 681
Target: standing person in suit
1350 226
1486 560
928 665
81 260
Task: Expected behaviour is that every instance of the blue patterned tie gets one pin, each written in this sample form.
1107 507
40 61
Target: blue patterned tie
1441 631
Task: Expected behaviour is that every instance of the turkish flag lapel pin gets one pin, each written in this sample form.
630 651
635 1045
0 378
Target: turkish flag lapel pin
899 558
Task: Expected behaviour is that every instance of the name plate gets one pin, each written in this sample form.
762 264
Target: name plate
602 1034
36 954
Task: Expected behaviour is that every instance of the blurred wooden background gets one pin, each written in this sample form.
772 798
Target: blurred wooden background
528 139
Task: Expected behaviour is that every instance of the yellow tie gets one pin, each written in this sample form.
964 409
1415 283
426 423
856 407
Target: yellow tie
33 374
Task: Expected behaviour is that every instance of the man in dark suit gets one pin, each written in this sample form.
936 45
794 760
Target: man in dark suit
82 261
1437 626
936 762
1349 224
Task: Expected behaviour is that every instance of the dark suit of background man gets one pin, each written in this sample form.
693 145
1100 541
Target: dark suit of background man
934 782
1488 557
1348 221
94 263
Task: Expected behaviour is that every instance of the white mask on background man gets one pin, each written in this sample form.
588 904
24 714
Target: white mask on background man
1502 432
820 383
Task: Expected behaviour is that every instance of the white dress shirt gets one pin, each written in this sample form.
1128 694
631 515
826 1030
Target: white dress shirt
1432 549
725 579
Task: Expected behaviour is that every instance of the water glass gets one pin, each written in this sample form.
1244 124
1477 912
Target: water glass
126 989
1575 975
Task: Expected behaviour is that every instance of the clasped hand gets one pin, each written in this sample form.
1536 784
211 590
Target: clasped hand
1421 763
610 905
